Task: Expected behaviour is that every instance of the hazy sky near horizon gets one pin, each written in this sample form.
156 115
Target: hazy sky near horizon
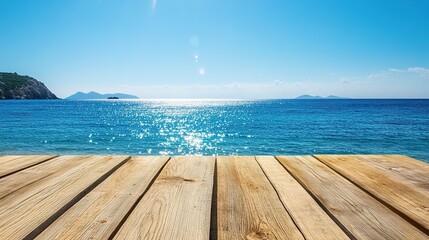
219 48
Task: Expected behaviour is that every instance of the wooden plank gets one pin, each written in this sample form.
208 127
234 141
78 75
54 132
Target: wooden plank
177 205
400 184
407 169
26 211
310 218
247 204
14 163
362 215
30 177
97 215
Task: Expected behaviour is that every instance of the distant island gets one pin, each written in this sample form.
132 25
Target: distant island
96 95
15 86
319 97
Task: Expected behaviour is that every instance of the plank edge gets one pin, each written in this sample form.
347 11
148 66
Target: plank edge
278 196
124 219
32 165
39 229
325 209
393 209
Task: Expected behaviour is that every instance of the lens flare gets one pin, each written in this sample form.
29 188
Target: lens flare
202 71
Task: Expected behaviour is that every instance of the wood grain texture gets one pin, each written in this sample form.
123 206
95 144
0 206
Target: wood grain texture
177 205
361 214
14 163
248 206
25 211
397 181
32 178
310 218
97 215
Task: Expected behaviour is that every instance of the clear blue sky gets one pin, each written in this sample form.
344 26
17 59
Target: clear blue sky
245 48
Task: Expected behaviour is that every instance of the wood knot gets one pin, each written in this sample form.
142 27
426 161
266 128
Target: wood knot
257 235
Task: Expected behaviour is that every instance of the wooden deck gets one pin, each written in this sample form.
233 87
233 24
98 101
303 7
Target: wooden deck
194 197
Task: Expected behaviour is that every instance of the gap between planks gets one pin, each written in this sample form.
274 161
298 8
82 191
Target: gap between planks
18 163
404 196
364 216
213 214
177 205
101 211
28 208
311 219
248 206
112 235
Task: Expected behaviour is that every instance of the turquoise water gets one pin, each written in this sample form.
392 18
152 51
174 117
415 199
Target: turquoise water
266 127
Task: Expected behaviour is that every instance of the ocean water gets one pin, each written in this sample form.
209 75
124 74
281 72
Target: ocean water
222 127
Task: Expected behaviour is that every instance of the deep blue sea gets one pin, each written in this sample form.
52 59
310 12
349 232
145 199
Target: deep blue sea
222 127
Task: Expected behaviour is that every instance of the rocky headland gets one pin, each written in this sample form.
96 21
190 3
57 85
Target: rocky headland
15 86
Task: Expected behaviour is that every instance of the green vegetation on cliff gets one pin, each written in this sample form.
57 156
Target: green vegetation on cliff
15 86
13 80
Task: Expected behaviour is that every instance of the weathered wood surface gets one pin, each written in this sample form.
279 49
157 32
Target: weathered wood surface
32 178
362 215
97 215
26 211
14 163
310 218
401 183
194 197
248 206
177 206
